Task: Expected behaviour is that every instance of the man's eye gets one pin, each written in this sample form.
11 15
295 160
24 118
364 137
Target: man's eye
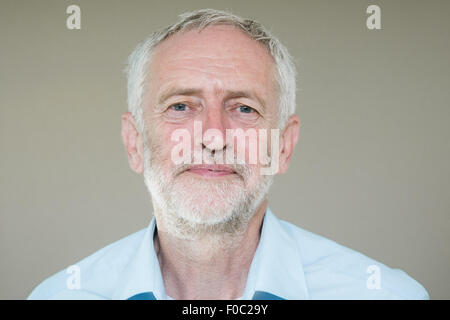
246 109
178 107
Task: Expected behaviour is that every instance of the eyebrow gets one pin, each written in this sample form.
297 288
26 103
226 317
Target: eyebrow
229 94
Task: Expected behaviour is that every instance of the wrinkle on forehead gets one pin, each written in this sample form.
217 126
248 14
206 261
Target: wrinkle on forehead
215 62
219 58
212 78
215 46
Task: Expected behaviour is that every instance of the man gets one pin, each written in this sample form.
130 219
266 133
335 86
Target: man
205 96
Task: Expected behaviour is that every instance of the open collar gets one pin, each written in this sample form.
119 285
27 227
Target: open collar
276 270
143 273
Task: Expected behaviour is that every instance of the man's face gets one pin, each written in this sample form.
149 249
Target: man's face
221 79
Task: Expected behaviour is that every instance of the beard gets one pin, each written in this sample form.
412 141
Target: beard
189 206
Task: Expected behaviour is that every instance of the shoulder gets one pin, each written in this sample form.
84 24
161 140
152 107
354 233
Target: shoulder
93 277
333 271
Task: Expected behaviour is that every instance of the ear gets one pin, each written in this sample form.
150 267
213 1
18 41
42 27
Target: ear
289 140
133 142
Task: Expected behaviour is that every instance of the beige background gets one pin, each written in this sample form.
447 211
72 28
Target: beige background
371 170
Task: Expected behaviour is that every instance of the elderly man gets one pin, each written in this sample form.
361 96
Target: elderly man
191 86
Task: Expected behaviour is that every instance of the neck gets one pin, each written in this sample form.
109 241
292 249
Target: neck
209 266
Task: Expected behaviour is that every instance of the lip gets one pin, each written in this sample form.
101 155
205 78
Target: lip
211 170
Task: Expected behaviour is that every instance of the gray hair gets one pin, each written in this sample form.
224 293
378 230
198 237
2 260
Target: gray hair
139 60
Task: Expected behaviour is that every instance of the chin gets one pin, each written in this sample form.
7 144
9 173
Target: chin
190 205
207 202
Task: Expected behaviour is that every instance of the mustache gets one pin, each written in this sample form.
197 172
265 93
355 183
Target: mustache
241 170
153 154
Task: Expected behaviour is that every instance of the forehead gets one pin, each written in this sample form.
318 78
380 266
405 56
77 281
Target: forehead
222 57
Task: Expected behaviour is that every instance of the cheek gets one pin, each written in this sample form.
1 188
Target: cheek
158 142
175 142
258 148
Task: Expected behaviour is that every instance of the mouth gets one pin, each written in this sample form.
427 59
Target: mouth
211 170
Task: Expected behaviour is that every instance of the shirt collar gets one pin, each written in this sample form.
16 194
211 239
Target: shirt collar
143 273
276 269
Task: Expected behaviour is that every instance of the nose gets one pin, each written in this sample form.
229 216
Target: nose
214 125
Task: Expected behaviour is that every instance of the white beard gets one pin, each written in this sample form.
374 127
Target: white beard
191 206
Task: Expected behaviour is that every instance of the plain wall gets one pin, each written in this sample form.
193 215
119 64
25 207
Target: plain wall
371 170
